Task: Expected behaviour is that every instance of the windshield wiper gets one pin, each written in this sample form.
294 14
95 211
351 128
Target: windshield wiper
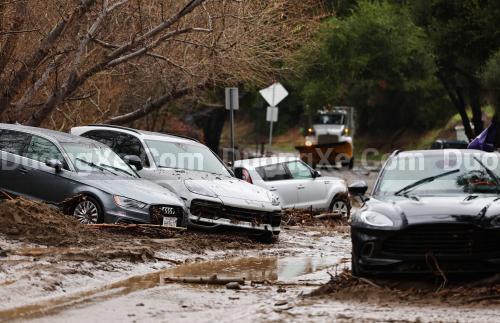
104 169
425 180
493 176
116 168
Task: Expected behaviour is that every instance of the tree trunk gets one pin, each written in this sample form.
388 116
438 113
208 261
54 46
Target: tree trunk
458 101
475 104
213 127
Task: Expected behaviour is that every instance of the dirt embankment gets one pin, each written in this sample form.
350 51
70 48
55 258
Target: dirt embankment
424 291
44 225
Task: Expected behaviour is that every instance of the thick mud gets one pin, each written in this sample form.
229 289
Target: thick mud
52 269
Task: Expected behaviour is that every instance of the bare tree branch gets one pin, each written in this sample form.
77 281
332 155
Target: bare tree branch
153 105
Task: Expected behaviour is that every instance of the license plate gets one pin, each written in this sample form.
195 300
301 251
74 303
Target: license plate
169 221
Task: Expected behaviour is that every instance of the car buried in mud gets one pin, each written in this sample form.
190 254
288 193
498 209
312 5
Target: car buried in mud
214 197
87 177
430 211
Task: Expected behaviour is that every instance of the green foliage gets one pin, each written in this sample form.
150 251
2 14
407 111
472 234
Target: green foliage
377 60
491 79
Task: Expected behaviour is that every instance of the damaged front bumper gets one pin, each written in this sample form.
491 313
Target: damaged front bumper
451 248
211 215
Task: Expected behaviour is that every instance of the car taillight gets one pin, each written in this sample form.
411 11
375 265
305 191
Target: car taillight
245 175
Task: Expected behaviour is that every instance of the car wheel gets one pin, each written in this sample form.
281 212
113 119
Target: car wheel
88 211
351 163
342 206
268 237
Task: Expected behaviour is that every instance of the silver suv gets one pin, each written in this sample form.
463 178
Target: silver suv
214 197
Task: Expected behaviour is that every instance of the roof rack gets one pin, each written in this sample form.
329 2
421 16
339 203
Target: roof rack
113 126
396 152
180 136
138 132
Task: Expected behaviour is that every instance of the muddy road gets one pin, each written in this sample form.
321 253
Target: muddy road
115 277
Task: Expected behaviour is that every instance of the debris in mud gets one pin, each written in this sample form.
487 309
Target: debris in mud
233 286
212 280
146 230
297 217
345 286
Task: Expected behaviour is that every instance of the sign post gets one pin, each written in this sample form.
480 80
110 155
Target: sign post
232 103
273 95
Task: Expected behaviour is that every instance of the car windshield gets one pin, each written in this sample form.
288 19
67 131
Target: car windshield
335 119
88 157
186 156
446 173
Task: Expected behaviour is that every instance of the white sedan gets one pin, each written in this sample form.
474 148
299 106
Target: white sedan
297 184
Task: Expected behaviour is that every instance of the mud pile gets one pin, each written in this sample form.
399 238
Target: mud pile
40 223
432 291
296 217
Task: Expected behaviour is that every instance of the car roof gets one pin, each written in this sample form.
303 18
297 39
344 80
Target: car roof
436 152
264 161
57 136
147 135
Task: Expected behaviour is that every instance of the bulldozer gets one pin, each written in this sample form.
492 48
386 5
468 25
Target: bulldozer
328 138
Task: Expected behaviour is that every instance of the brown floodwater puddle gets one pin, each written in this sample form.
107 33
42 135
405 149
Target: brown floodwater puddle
251 269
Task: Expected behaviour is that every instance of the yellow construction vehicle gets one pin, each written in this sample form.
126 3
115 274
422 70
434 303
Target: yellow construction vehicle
328 139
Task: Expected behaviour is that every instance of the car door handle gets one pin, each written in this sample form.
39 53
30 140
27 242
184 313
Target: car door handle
273 189
23 170
327 182
301 187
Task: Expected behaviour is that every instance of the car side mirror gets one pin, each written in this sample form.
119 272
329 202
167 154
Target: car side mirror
134 160
358 188
316 173
54 163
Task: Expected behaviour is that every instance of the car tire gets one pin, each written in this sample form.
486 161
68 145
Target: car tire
268 237
351 163
88 211
342 205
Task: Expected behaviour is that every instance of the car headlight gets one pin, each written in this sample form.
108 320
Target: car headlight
198 189
496 221
274 198
128 203
376 219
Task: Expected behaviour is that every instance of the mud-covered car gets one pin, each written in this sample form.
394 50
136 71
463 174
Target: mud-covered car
214 197
430 211
56 167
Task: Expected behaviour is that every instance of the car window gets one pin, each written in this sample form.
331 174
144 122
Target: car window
188 156
13 142
275 172
299 170
129 145
104 137
41 149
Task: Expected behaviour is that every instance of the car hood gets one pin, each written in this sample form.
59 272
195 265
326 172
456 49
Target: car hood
224 187
135 188
406 211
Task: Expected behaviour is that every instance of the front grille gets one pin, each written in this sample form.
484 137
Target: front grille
445 240
156 213
327 139
213 210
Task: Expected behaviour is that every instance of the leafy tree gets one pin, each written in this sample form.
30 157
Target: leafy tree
377 60
463 35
